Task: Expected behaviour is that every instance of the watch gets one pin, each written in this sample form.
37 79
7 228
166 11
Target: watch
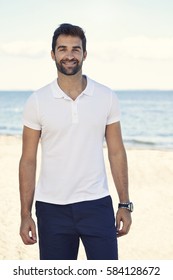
126 205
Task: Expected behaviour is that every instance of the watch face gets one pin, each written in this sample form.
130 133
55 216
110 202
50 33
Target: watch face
128 206
131 206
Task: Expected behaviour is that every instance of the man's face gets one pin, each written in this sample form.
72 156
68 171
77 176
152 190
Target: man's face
69 55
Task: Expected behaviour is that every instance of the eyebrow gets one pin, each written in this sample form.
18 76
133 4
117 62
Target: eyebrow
77 47
64 47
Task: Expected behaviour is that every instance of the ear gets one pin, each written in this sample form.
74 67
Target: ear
84 55
53 55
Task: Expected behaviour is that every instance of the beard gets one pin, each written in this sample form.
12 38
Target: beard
69 67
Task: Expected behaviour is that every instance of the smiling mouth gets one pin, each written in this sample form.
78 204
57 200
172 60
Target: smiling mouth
69 63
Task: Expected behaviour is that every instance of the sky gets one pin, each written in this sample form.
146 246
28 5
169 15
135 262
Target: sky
129 42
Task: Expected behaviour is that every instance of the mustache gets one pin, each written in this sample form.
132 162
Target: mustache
69 60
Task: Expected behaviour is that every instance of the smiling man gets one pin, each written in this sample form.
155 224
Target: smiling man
72 116
69 62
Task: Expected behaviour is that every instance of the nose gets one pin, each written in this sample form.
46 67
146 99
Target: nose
69 55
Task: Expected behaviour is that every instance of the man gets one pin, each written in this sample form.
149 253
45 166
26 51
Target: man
71 116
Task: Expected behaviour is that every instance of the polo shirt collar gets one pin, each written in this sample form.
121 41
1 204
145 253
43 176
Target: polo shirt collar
58 93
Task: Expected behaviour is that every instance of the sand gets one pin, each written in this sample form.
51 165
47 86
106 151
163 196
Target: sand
151 190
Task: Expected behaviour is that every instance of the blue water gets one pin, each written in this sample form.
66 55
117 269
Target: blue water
146 121
11 108
147 118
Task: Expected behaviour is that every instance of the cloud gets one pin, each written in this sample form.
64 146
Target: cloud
135 48
147 48
27 49
140 47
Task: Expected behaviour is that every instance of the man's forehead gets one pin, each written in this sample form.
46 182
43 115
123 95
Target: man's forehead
68 40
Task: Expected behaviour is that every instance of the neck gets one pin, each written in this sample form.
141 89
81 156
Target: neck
72 85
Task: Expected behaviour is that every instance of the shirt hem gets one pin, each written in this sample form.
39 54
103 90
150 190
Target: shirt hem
71 201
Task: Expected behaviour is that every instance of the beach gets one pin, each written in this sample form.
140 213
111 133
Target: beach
151 190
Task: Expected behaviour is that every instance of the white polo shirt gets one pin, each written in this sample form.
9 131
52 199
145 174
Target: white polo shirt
72 135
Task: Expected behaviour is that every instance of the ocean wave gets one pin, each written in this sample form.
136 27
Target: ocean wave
11 110
158 143
6 130
140 142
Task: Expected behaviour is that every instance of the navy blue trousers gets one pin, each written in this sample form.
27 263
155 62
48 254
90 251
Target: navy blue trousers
61 227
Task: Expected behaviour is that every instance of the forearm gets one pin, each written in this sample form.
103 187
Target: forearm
119 169
27 171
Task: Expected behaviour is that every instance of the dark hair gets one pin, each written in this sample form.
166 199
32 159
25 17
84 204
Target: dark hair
69 29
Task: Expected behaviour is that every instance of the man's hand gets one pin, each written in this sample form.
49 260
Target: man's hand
28 231
123 221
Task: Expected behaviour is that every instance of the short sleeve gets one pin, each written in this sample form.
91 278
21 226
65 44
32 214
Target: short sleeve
114 112
31 113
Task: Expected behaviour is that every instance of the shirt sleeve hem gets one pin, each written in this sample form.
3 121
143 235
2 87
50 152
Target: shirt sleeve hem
31 126
113 121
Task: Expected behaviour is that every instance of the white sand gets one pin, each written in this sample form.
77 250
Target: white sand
151 190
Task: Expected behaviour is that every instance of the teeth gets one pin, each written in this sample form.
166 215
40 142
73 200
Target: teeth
69 62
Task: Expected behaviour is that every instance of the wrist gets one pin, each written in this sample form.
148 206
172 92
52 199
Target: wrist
25 214
126 205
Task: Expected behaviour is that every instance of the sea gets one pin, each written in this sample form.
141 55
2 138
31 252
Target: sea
146 116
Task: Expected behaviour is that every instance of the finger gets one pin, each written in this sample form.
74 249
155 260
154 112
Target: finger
27 239
118 223
28 236
125 229
33 234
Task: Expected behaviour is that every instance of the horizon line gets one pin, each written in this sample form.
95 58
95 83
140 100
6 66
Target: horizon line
129 89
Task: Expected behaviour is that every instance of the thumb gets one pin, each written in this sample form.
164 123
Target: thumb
118 222
33 233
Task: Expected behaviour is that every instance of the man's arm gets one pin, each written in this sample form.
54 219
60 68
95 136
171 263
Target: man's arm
118 163
27 172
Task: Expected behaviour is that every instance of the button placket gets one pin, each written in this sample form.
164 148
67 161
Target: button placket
74 106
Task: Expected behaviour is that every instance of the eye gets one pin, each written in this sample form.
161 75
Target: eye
76 50
61 50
